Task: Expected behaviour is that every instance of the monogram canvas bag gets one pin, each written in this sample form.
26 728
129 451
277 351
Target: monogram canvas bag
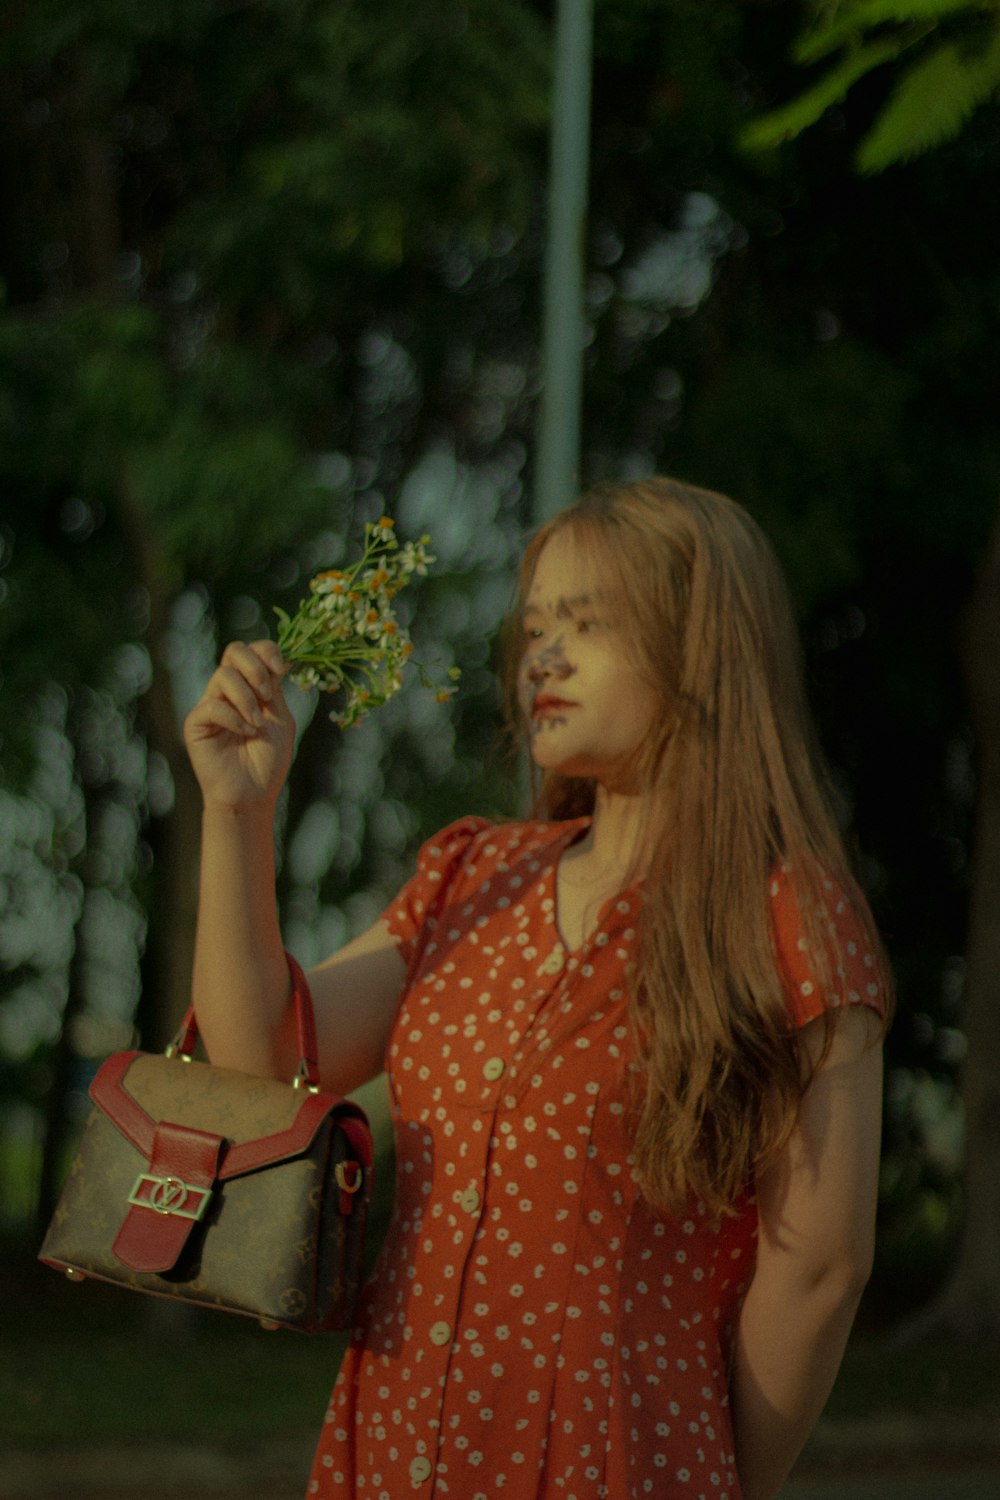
218 1188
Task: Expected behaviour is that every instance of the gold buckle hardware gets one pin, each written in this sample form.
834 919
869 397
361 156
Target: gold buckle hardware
169 1196
340 1176
299 1081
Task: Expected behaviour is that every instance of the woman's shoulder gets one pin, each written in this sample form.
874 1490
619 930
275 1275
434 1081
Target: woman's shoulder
464 856
825 942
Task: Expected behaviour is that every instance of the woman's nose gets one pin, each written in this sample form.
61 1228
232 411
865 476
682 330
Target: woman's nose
548 661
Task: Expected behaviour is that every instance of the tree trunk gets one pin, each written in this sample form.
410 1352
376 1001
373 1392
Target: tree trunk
970 1304
83 154
175 838
175 841
58 1126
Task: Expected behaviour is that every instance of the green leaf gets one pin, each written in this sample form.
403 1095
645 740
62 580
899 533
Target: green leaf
929 105
850 21
790 120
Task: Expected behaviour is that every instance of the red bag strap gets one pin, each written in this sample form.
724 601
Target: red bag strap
307 1074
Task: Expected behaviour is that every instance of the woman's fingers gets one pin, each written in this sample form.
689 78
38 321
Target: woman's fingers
213 715
240 733
242 688
247 697
251 676
261 664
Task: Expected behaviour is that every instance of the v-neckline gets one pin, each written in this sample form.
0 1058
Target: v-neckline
573 830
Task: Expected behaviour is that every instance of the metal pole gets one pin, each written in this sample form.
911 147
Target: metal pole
557 471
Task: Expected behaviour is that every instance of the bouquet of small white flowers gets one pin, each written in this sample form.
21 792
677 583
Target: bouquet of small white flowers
345 635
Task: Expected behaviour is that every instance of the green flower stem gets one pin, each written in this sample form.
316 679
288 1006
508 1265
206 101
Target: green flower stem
345 636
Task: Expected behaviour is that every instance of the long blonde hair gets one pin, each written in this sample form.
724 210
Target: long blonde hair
735 787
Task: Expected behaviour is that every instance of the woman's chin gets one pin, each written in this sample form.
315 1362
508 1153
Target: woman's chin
548 757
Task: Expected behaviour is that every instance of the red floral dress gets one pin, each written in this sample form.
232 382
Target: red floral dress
533 1329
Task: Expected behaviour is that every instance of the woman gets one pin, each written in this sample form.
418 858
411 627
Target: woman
632 1044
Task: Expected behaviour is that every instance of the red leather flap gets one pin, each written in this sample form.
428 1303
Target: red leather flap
167 1201
119 1106
110 1093
191 1155
248 1156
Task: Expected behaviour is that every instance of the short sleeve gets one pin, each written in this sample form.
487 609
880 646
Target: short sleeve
438 864
852 960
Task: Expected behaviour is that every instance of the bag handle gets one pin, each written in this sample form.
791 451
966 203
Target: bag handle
307 1073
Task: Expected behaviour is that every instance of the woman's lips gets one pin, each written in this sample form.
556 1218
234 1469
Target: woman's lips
545 704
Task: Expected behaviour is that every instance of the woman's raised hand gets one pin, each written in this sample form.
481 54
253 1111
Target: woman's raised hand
240 734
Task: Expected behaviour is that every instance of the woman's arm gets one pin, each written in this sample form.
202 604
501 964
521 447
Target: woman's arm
815 1246
240 738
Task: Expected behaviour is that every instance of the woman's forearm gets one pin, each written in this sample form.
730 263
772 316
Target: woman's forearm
789 1346
241 984
240 737
815 1243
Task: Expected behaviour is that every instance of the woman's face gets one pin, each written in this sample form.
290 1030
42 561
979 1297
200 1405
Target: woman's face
588 708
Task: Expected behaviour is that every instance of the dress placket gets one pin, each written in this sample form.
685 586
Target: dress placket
455 1235
496 1074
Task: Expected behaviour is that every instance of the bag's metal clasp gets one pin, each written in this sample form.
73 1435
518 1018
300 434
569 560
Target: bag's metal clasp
340 1176
301 1079
169 1195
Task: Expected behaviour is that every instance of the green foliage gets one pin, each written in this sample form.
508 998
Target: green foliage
112 31
209 490
226 291
784 124
403 121
927 105
846 22
930 103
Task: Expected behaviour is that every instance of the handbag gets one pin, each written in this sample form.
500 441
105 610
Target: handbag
218 1188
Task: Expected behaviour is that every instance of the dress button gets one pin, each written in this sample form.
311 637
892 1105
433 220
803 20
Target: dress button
440 1333
470 1200
420 1469
493 1068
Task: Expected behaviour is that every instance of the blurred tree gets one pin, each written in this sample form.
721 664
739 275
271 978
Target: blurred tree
957 69
215 220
